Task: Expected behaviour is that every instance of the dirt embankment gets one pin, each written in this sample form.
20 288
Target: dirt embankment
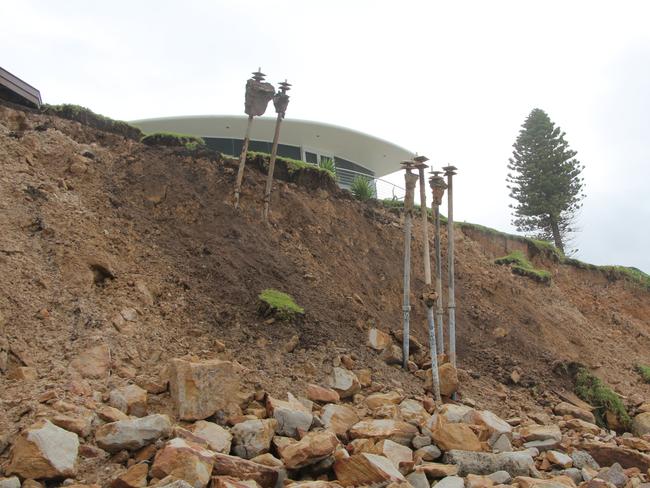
105 240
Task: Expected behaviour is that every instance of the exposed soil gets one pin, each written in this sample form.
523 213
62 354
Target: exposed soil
94 223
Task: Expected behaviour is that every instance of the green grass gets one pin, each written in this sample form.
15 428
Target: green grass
293 165
172 139
279 304
327 164
362 189
593 391
88 117
644 371
521 266
614 273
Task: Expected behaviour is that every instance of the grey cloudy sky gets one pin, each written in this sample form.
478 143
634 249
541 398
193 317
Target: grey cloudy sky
451 80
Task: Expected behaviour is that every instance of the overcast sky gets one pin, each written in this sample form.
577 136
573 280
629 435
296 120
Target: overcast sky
451 80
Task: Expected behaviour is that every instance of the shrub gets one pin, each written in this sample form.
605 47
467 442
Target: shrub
644 371
327 164
522 267
362 188
171 139
278 304
593 391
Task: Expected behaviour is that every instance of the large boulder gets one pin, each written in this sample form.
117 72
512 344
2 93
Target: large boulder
395 430
540 433
414 413
608 454
253 437
130 399
243 469
11 482
338 418
450 436
641 424
378 400
184 460
494 425
312 448
344 382
201 388
366 469
217 438
132 433
401 456
518 463
292 416
44 451
378 339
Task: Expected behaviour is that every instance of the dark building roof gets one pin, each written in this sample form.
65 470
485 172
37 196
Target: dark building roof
16 90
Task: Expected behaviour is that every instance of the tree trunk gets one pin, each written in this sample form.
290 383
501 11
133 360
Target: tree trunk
555 228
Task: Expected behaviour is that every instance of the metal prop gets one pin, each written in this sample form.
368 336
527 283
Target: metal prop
438 187
450 171
410 180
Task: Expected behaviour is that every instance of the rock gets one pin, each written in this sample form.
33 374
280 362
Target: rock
451 482
540 433
81 425
565 408
392 354
413 412
240 468
132 433
338 418
582 459
94 362
311 449
635 443
401 456
515 463
130 399
541 446
502 444
253 437
184 460
451 413
23 373
558 458
420 440
110 414
11 482
377 400
454 436
500 477
134 477
418 480
608 454
230 482
366 469
292 416
364 376
378 339
556 482
171 482
427 453
448 379
492 423
44 451
198 389
437 470
614 475
641 424
152 385
32 484
217 438
478 481
345 382
574 473
395 430
322 394
582 426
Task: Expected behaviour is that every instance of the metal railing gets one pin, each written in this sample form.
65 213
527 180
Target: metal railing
382 188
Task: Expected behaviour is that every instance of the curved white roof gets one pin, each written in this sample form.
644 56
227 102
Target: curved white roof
376 154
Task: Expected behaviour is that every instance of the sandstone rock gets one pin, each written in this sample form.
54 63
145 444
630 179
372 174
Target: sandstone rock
80 425
559 459
358 446
230 482
322 394
556 482
366 469
94 362
451 413
582 459
448 379
132 433
44 451
635 443
418 480
492 423
450 436
565 408
401 456
582 426
608 454
641 424
500 477
184 460
345 382
478 481
414 413
540 433
451 482
421 440
130 399
502 444
515 463
134 477
244 469
217 438
378 339
312 448
152 385
542 446
364 376
292 416
171 482
23 373
614 475
338 418
392 354
377 400
30 483
253 437
11 482
395 430
200 388
437 470
427 453
110 414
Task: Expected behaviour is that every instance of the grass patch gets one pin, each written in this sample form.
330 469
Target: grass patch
644 371
279 304
172 139
614 273
328 165
593 391
521 266
88 117
293 165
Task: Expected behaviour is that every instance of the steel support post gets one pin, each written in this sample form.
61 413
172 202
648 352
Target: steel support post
438 264
242 161
410 180
450 171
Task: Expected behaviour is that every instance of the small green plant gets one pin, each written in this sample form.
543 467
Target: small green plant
278 304
172 139
362 188
644 371
593 391
521 266
327 164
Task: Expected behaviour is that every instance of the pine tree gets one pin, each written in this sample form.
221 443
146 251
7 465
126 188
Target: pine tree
545 181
